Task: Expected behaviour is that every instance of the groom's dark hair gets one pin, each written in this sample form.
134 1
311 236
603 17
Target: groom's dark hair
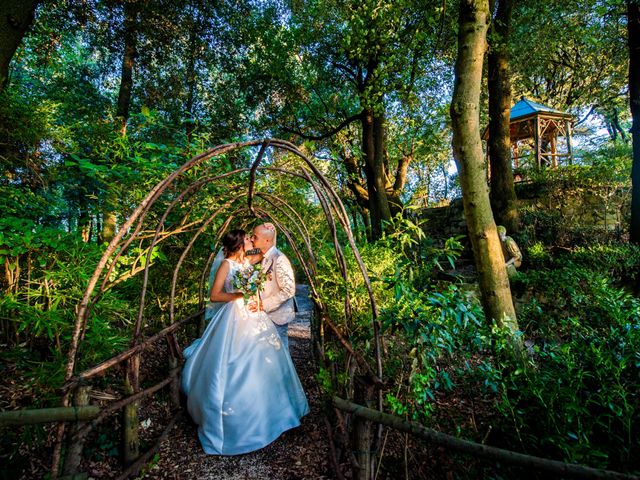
233 241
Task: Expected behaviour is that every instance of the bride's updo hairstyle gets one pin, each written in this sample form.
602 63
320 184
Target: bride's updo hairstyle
233 241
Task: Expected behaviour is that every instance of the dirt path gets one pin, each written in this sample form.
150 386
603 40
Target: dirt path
301 453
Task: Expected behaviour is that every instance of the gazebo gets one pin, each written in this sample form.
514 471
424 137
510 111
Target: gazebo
535 130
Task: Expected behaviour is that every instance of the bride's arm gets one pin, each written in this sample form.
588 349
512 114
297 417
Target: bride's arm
217 291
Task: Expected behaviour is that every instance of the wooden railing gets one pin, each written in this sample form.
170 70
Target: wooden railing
86 417
455 444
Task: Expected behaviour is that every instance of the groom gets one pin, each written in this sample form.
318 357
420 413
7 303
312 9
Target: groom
280 288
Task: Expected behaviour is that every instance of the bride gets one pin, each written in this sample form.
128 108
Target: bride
242 388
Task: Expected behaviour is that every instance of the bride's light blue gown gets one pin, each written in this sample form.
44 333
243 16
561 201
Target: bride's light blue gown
242 388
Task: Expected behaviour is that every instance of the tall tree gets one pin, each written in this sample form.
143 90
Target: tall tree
191 74
128 62
362 54
467 149
109 223
14 23
633 27
503 194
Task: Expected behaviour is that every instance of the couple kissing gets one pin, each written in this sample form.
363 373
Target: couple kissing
242 388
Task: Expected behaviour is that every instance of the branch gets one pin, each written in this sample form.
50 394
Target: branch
344 68
325 135
591 110
401 173
354 181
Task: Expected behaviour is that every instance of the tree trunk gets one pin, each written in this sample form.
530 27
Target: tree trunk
615 121
191 77
128 62
467 149
109 224
633 28
368 150
373 148
379 167
84 219
503 195
15 19
354 181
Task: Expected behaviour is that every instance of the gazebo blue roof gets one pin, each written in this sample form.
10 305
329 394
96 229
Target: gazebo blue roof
526 107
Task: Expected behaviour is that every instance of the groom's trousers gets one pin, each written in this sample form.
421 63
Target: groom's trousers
283 331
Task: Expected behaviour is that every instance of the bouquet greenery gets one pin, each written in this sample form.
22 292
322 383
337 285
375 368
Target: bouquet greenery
250 280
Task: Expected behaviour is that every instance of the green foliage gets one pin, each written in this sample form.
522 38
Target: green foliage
578 401
437 328
583 285
423 323
574 401
46 273
609 165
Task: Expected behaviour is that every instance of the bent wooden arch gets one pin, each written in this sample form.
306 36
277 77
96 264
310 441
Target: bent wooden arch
270 207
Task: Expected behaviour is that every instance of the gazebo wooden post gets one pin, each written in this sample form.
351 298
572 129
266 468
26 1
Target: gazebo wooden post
536 138
516 154
569 146
552 147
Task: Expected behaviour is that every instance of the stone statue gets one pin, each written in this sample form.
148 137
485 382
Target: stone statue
511 252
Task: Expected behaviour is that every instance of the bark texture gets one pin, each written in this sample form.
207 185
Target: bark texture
503 195
373 148
191 77
15 19
128 62
633 28
467 148
123 107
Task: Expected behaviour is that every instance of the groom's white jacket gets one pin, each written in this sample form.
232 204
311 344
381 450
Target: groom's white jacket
280 287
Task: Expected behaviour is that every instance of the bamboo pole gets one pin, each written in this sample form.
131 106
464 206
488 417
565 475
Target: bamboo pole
73 457
173 363
135 467
363 431
130 420
477 449
48 415
106 411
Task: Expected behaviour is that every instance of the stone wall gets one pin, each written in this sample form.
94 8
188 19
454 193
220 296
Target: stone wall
558 206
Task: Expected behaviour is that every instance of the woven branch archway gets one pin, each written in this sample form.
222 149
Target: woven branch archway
239 204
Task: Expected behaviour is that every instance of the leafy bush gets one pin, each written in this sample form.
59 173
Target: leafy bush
46 272
578 401
431 328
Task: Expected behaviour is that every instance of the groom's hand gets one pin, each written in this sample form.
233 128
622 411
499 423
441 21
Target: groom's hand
253 306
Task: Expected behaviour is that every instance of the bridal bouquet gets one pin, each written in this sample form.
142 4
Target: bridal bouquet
250 280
